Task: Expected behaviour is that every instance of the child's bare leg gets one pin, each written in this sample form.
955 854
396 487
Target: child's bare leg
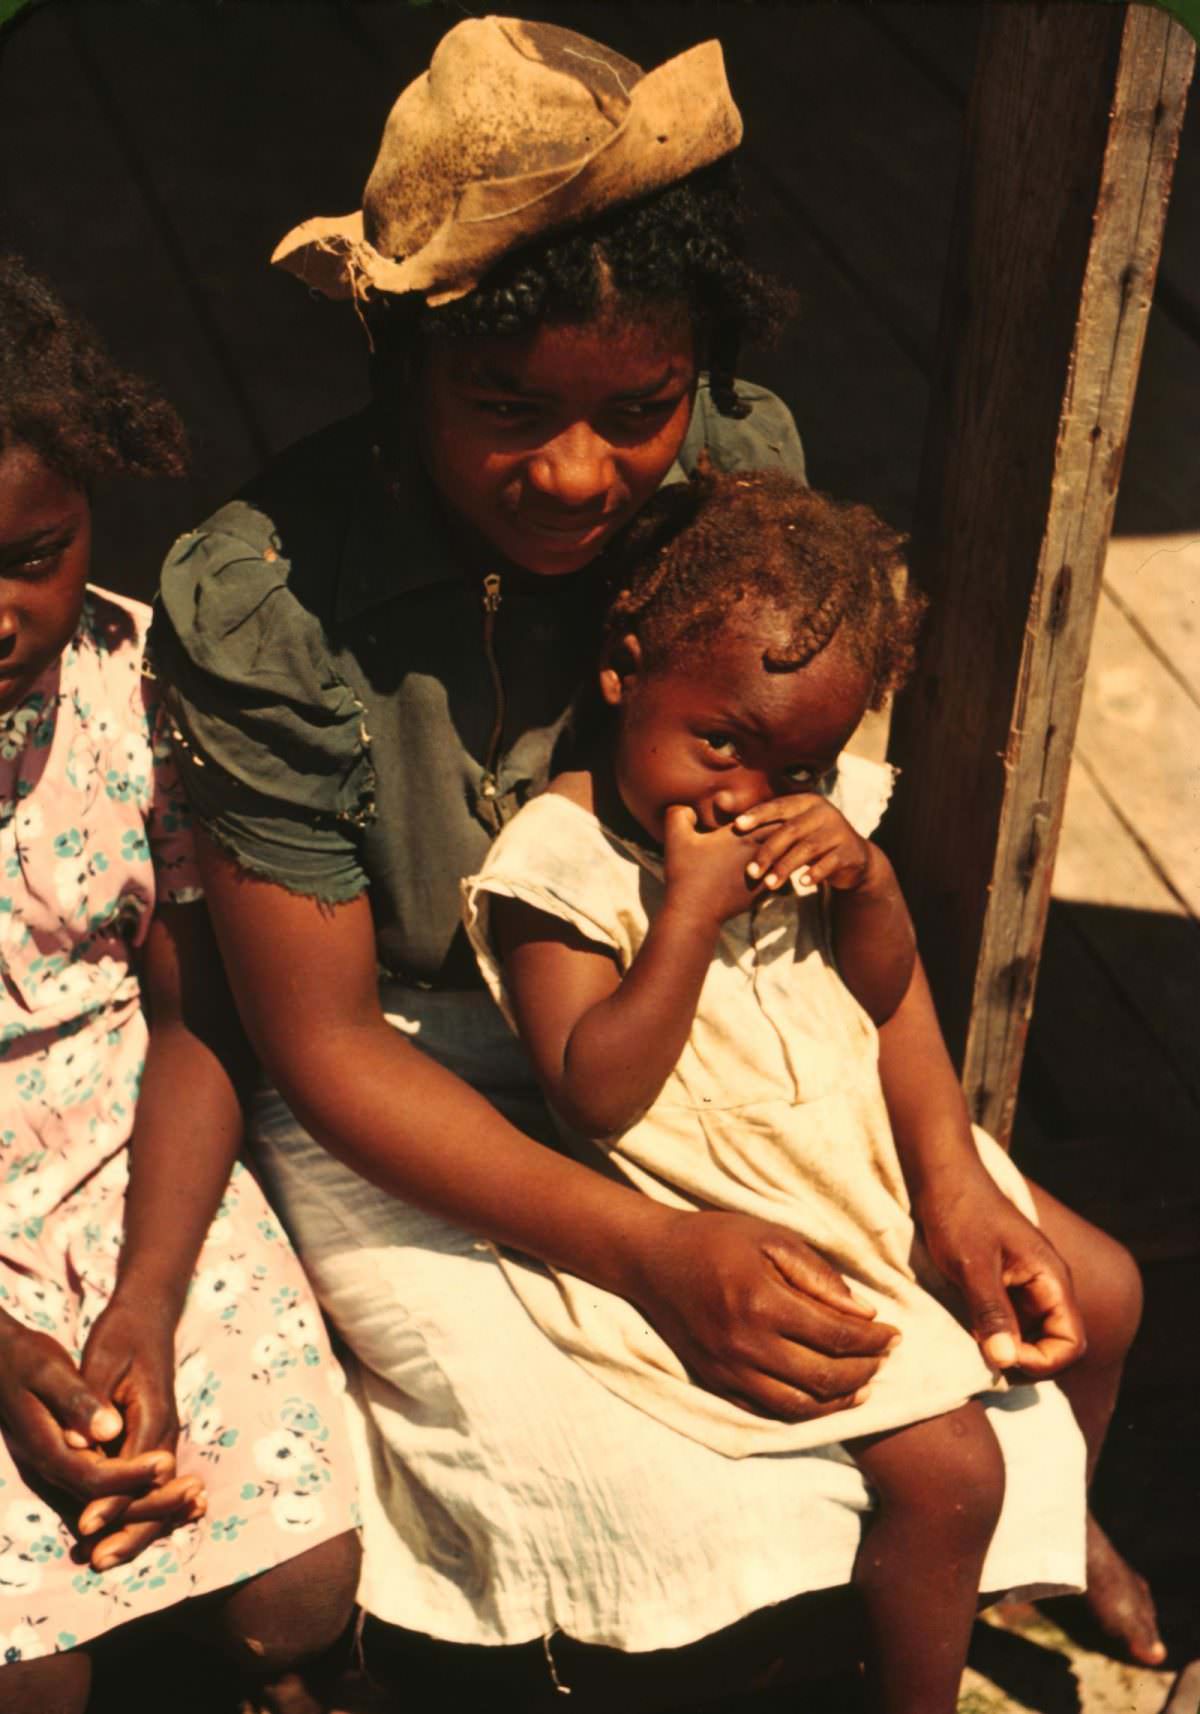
56 1684
1109 1290
272 1624
939 1488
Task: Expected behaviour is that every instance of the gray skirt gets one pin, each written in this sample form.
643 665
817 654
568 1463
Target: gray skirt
507 1495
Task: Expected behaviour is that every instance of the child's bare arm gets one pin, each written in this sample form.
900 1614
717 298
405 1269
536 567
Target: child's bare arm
188 1125
603 1045
873 937
186 1134
1016 1287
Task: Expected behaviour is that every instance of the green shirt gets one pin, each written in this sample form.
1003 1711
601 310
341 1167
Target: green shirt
354 709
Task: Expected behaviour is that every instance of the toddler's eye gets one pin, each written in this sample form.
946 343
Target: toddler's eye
808 779
722 745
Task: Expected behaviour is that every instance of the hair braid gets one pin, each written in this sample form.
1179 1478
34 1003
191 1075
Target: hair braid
701 550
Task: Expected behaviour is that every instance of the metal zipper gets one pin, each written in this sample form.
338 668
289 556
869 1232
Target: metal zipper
491 606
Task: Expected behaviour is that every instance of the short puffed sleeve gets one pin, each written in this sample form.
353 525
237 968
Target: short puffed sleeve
764 438
270 741
862 790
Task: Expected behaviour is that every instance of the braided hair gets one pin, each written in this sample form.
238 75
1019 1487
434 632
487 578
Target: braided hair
64 397
701 549
683 243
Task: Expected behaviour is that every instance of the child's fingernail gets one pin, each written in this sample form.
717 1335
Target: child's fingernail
891 1344
76 1441
860 1395
754 870
772 880
744 821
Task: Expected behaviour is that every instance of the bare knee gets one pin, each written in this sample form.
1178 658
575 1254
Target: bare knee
947 1474
55 1684
1109 1287
293 1613
1107 1281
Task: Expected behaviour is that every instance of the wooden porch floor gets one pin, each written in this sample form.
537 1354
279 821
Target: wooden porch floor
151 155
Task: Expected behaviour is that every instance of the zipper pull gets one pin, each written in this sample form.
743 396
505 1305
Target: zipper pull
491 592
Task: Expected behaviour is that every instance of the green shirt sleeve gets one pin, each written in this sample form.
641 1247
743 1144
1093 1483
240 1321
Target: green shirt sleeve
272 745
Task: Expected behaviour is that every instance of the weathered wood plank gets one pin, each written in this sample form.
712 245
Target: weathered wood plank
1139 740
1113 894
1095 1069
1155 580
1048 289
1098 863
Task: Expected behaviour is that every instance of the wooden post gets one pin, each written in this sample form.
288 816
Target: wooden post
1072 132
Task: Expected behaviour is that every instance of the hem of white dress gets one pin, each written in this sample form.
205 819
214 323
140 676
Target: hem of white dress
664 1628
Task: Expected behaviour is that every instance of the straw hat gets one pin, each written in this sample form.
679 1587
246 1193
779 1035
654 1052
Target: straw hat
514 130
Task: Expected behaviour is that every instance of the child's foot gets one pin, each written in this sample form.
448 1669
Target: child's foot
1120 1600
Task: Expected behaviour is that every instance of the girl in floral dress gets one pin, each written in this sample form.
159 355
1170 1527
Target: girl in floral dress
170 1408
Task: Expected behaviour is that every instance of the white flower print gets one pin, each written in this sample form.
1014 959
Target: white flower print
28 1520
217 1287
280 1454
102 723
300 1326
29 822
42 1301
298 1513
93 832
36 1191
70 881
190 1376
18 1575
206 1426
21 1643
267 1350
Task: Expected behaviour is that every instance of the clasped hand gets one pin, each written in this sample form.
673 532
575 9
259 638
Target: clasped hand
719 873
102 1433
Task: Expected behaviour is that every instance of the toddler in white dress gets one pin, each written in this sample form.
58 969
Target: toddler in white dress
714 973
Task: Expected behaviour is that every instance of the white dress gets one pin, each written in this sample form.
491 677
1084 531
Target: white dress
774 1109
507 1495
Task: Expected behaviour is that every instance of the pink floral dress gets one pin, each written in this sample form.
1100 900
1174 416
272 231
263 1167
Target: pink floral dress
94 829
